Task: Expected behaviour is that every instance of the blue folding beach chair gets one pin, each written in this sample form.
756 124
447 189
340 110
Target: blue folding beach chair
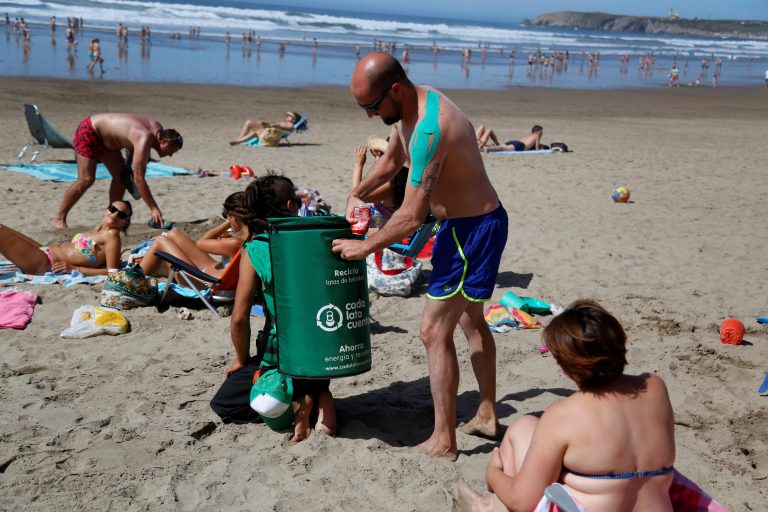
299 126
419 238
219 290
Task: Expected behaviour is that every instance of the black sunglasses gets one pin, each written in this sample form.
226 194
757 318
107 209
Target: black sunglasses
120 214
374 107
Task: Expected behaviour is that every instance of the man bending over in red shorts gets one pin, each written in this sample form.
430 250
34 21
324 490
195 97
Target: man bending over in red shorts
99 138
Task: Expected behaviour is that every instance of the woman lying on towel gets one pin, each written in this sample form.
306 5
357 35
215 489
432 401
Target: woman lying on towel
265 130
611 444
90 252
223 240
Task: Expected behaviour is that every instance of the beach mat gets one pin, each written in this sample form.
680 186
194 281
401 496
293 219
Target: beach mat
528 152
68 172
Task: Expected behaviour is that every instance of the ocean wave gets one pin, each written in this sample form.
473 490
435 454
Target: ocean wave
294 24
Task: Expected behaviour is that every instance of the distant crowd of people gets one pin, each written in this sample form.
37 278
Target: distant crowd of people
541 65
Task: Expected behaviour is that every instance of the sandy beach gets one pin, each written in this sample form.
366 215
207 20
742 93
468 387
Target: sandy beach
123 423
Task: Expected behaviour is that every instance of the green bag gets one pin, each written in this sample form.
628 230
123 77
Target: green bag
271 397
128 288
321 300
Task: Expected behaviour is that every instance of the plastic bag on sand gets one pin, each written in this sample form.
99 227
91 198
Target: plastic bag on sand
92 321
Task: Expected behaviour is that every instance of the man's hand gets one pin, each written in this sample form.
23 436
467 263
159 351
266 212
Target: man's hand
157 217
353 201
236 365
349 249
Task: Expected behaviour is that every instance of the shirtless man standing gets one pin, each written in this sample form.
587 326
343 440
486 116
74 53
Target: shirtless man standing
447 176
99 138
530 141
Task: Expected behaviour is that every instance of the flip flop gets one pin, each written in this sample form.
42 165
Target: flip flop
166 224
762 319
764 386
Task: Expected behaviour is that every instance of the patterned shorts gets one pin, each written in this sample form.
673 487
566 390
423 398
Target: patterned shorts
87 142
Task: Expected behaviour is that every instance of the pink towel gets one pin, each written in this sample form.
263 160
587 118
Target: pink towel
16 309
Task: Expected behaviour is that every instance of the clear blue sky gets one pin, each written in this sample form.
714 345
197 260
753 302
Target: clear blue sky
513 11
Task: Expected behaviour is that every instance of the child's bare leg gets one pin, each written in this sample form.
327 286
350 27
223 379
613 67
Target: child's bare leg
326 414
301 419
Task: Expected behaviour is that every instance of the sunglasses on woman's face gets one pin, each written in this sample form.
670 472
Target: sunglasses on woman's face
117 211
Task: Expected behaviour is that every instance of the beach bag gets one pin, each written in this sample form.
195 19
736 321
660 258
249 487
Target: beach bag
271 397
91 321
561 146
271 136
128 288
392 274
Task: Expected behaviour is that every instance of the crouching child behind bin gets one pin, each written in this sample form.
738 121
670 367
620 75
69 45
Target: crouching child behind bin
267 197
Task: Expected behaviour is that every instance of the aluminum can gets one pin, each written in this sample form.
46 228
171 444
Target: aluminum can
363 216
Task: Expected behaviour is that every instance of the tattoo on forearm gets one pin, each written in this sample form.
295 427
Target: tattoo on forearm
430 180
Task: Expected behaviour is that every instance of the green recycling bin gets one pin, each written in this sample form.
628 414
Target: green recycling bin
321 300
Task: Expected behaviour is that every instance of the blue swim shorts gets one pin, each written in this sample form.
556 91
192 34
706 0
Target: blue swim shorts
466 256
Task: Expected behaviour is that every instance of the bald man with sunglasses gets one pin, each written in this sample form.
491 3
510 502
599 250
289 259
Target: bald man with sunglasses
448 178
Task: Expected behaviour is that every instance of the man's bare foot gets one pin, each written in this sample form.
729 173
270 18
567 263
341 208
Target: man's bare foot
233 143
471 500
437 453
479 428
60 223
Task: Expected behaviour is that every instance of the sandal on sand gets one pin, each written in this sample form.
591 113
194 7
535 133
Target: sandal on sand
166 224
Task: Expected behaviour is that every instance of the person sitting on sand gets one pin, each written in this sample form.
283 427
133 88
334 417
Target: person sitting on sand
530 141
223 240
611 444
388 197
268 132
90 252
266 197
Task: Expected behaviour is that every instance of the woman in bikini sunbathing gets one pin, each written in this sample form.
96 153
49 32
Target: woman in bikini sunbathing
610 444
91 252
223 240
253 129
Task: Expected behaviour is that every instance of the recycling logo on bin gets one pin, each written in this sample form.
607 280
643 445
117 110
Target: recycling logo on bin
329 318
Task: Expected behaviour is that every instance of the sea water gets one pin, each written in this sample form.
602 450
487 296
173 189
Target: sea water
320 48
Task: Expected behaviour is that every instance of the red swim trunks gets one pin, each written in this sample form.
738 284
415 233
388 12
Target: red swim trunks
87 142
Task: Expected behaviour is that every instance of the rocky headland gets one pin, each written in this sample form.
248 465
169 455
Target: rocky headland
743 29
